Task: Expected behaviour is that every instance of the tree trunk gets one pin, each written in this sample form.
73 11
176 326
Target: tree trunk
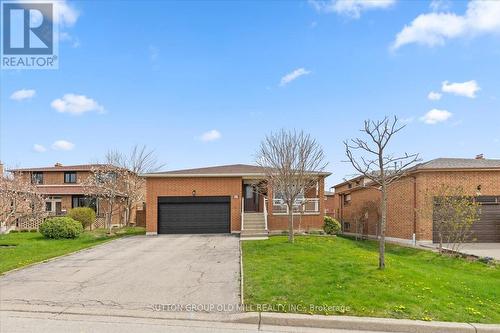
110 215
290 223
381 255
129 215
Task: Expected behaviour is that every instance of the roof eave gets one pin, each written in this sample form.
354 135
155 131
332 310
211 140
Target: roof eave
211 175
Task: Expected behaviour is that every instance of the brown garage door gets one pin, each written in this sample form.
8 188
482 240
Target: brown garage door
487 229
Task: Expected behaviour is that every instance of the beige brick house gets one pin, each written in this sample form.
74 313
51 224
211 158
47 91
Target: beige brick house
354 200
224 199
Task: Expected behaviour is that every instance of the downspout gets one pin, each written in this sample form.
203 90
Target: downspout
414 211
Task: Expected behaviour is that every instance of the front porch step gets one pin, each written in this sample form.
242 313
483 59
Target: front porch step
254 234
254 226
254 217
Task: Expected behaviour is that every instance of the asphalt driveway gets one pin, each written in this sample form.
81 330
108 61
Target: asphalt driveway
134 273
481 249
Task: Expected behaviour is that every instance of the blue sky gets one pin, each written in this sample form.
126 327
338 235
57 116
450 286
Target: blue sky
202 82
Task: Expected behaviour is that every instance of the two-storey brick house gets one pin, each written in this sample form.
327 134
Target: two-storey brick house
355 200
62 188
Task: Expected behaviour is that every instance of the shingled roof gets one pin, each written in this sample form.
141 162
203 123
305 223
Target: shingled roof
459 163
444 163
232 170
80 167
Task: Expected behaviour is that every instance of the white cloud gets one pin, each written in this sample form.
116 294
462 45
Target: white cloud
435 116
434 96
432 29
39 148
154 52
351 8
63 145
66 14
467 89
211 135
76 104
23 94
440 5
293 76
66 37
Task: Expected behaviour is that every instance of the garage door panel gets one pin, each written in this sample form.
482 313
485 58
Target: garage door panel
487 228
196 215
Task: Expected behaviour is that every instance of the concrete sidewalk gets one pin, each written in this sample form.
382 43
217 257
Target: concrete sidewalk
79 319
20 322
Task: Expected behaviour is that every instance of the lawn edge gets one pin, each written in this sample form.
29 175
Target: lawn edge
242 284
62 255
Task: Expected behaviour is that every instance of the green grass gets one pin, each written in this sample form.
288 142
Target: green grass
25 248
341 272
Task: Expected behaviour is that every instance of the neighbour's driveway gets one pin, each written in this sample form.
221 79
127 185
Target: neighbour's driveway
481 249
132 273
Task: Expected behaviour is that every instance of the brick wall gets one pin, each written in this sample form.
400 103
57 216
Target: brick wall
354 211
57 177
304 222
330 206
216 186
407 200
468 180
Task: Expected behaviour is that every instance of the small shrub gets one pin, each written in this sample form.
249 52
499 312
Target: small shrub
13 231
331 226
24 230
33 230
61 227
84 215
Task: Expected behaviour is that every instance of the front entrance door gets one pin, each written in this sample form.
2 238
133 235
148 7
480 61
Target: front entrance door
251 199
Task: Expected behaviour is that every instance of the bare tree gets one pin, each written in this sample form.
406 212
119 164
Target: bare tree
106 184
19 199
293 163
453 213
140 160
376 164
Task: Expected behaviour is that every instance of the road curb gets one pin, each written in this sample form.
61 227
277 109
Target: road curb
372 324
268 319
484 328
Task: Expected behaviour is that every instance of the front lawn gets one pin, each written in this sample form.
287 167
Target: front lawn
342 273
24 248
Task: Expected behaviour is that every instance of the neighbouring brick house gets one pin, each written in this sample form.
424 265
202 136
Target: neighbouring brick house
355 201
223 199
330 204
61 186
